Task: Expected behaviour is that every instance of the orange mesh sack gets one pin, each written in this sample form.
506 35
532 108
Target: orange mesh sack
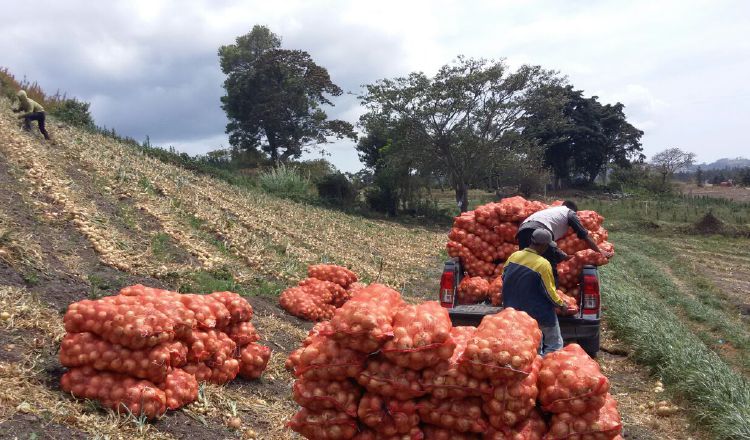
601 424
368 434
333 273
389 380
130 325
571 306
570 381
504 346
115 391
319 395
253 360
165 301
437 433
533 428
386 416
421 336
322 328
299 302
329 292
209 312
243 333
323 425
81 349
472 290
446 380
460 415
239 309
512 402
180 388
496 290
211 346
364 322
325 359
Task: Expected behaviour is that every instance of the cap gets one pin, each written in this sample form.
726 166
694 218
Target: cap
542 236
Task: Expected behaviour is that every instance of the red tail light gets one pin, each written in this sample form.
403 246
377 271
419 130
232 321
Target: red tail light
591 297
447 281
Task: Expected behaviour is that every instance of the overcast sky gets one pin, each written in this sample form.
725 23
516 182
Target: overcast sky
150 67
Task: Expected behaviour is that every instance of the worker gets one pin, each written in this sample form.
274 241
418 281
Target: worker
528 285
556 220
32 111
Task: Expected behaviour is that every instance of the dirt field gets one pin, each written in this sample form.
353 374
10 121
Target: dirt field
85 216
736 193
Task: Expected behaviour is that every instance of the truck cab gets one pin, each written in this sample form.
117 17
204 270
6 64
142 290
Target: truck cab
581 328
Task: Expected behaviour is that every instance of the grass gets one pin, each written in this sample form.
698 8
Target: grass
719 396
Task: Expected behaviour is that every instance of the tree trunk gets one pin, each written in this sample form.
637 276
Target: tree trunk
462 197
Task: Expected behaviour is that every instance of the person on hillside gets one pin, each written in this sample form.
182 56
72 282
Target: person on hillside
528 285
32 111
556 220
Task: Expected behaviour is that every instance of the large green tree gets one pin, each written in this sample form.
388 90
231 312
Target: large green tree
274 97
464 123
580 136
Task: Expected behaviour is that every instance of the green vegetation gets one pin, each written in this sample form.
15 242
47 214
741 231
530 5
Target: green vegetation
285 181
719 396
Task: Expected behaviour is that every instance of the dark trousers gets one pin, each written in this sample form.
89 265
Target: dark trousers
39 117
524 241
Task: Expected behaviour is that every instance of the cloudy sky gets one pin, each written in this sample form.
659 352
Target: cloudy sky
150 67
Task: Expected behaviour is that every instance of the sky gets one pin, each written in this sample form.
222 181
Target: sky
150 67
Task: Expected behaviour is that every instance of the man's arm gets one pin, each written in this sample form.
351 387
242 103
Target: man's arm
575 223
549 284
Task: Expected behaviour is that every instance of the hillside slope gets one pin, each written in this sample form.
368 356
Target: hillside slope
88 214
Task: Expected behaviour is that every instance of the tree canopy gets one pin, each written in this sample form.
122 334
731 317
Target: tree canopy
672 160
464 123
274 97
581 136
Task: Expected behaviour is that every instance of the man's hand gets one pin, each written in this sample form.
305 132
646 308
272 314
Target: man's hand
607 254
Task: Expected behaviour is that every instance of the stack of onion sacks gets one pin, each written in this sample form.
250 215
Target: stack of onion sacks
447 380
504 347
512 402
570 381
601 424
421 336
152 339
316 298
364 323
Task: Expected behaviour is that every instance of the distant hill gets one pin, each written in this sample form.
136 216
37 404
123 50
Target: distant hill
738 162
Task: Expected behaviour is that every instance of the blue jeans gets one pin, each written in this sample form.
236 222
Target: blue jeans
551 339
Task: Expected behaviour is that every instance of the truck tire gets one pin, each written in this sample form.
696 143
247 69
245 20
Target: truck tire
590 345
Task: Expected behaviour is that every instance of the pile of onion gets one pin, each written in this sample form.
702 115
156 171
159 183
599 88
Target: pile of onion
447 380
317 297
421 336
496 289
472 290
389 380
325 359
364 323
504 346
512 402
387 416
532 428
253 360
461 415
570 381
601 424
324 425
319 395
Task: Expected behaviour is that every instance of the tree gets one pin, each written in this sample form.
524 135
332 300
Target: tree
463 123
699 178
670 161
580 136
274 96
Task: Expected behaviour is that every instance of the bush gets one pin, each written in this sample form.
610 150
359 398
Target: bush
382 196
285 182
73 112
337 190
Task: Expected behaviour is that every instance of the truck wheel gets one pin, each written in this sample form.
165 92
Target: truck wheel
590 345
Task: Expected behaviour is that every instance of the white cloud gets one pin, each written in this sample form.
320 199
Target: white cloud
150 67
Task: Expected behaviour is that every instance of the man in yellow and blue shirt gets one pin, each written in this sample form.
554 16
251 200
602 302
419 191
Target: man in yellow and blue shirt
528 285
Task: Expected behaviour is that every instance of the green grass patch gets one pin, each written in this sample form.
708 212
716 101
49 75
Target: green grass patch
650 260
719 396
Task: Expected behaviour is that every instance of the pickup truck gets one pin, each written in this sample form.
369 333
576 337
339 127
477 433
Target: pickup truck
582 328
